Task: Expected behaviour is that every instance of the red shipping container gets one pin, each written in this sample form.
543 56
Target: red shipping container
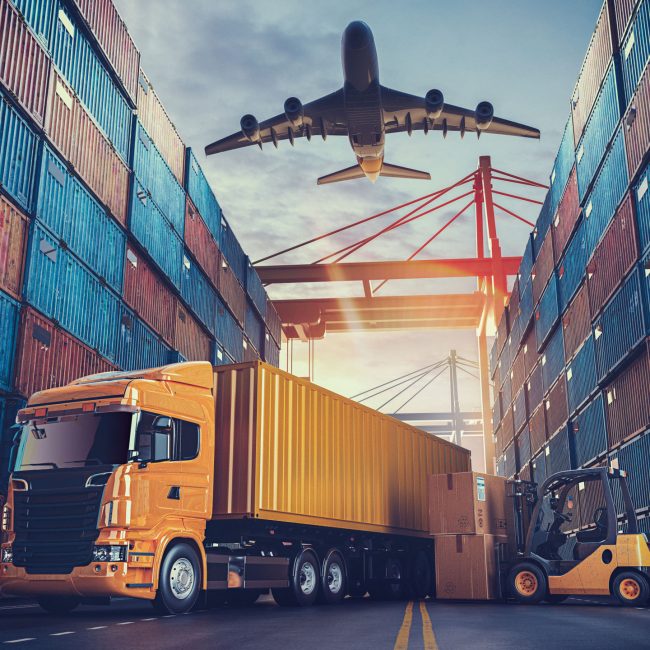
13 239
189 338
637 124
508 428
613 258
537 427
566 216
232 292
160 128
627 401
61 116
48 356
518 372
531 356
535 388
592 72
556 406
543 267
114 39
623 10
24 64
201 243
576 322
148 295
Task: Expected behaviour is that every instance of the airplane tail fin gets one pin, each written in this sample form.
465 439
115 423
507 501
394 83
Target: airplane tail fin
395 171
347 174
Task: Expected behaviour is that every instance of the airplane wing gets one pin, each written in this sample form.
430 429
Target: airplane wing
324 116
400 109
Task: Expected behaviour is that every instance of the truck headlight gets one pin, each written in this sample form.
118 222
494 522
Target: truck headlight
7 555
6 518
109 554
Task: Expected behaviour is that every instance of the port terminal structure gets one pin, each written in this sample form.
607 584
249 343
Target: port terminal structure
481 191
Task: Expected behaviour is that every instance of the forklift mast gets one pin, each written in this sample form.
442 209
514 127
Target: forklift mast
523 496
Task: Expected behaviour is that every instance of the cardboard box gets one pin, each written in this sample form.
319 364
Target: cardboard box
467 567
468 503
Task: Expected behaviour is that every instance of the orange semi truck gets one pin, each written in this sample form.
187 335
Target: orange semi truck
189 481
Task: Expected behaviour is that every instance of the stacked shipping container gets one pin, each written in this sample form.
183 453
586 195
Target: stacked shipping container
114 252
586 351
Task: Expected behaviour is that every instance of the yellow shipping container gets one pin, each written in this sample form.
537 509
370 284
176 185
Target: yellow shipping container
290 451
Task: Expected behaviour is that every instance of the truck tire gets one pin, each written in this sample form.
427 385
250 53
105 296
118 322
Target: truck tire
631 588
58 604
393 586
527 583
304 582
421 578
334 582
179 581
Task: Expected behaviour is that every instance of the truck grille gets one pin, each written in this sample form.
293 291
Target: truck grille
55 528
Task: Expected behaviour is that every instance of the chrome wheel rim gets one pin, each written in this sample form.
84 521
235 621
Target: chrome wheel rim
307 578
181 578
334 577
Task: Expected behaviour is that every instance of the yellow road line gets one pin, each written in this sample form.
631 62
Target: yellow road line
430 642
402 640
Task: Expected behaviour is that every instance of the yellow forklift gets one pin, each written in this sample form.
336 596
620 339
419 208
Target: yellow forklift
569 542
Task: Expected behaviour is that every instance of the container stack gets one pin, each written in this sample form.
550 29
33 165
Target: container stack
571 358
114 251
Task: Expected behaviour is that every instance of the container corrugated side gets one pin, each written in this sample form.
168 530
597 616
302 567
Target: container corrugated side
271 351
233 252
590 432
61 121
543 268
621 326
508 427
229 333
607 192
518 371
531 356
635 49
189 338
198 293
17 155
564 162
202 196
523 447
157 178
637 125
623 10
149 296
633 458
547 313
254 327
553 358
232 292
572 267
503 330
249 351
510 461
538 468
556 406
9 315
627 401
155 234
48 356
527 261
497 412
581 375
13 240
201 243
576 322
506 391
39 15
24 64
613 258
69 211
526 306
592 72
272 474
537 428
558 458
137 346
113 37
158 124
255 289
273 322
519 414
598 131
543 223
642 204
566 215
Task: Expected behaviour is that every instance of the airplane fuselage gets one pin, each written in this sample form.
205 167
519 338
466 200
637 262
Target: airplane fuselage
362 97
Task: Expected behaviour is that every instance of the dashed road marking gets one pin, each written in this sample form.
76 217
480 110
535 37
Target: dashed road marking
402 640
169 616
428 634
97 627
153 618
125 623
18 607
30 638
62 633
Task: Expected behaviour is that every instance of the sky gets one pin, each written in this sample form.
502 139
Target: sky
211 61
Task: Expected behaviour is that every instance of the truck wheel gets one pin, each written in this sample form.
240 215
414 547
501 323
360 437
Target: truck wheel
421 575
393 586
527 583
58 604
303 582
631 588
334 583
179 582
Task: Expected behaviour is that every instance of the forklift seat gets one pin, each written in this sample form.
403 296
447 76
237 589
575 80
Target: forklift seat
583 550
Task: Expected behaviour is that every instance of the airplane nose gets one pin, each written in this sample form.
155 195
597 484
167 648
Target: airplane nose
357 35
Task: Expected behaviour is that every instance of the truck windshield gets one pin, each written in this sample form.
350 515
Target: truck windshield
75 441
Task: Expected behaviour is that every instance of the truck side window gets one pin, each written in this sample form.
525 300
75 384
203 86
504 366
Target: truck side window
155 437
187 440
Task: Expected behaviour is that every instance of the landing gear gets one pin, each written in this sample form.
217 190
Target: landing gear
179 582
59 604
631 588
421 581
303 582
527 583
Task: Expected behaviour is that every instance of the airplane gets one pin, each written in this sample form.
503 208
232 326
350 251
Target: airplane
366 111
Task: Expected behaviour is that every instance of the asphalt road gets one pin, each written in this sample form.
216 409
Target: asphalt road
126 624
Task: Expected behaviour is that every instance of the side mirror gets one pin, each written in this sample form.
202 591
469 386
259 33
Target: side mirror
162 423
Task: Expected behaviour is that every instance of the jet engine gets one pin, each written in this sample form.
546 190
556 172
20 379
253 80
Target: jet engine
434 102
294 111
250 127
483 114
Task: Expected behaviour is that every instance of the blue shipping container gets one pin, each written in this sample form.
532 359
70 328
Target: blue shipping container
39 15
553 359
562 167
9 315
635 50
527 261
598 132
543 223
538 468
582 378
642 204
606 193
155 233
572 266
590 432
558 457
67 209
136 345
547 313
535 388
510 461
229 333
519 409
17 155
621 326
233 252
526 306
157 178
198 293
75 58
523 447
254 327
255 289
202 196
633 458
271 351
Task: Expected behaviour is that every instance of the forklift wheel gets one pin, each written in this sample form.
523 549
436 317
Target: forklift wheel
527 583
631 588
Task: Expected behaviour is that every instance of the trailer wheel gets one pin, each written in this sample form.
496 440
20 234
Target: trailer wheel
303 582
527 583
393 586
179 582
631 588
421 575
58 604
334 583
